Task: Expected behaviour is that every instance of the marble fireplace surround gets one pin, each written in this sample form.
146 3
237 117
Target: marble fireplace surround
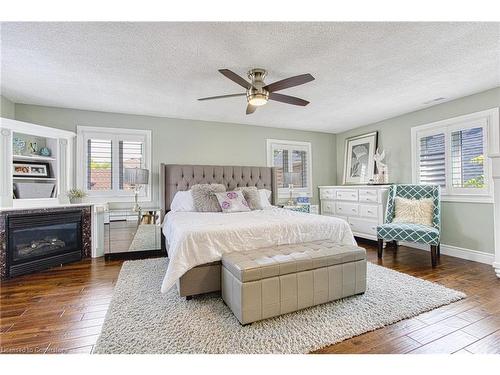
86 229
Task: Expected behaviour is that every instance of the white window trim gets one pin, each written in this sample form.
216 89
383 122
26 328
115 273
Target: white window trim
489 119
84 133
284 192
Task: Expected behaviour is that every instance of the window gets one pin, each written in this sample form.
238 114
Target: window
292 160
452 153
103 155
432 160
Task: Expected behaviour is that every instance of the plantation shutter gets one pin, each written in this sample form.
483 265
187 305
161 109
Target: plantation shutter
467 158
131 155
432 163
280 161
99 164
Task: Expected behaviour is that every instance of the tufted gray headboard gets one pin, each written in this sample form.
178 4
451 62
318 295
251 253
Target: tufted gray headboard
178 177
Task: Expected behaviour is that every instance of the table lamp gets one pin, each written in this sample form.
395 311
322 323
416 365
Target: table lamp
290 178
136 177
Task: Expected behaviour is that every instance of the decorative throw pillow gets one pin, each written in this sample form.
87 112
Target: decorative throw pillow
232 201
265 196
204 197
413 211
252 197
182 202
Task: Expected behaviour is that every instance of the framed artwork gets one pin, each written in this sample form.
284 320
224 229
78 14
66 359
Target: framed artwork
30 169
359 164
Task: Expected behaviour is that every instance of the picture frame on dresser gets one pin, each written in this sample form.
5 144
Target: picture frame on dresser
359 162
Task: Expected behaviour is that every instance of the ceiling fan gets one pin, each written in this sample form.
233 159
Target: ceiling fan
258 93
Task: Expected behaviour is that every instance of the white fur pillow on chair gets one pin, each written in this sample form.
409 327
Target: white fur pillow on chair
414 211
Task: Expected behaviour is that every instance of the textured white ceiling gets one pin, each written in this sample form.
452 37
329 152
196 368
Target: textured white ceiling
365 72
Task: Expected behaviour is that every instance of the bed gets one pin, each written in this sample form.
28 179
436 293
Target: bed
195 241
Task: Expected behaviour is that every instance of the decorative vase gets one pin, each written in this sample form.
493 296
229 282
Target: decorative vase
75 200
18 146
45 151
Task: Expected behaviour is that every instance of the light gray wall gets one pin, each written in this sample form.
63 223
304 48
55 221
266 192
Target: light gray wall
7 108
195 142
466 225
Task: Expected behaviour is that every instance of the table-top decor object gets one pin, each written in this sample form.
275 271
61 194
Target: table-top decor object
76 195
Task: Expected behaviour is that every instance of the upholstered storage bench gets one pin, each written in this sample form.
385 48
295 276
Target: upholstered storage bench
272 281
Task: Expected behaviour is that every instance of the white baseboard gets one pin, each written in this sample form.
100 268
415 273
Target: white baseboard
457 252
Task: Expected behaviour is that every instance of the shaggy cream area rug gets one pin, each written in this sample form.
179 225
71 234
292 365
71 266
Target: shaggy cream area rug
142 320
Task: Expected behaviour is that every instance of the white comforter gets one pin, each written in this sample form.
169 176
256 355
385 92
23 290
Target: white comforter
196 238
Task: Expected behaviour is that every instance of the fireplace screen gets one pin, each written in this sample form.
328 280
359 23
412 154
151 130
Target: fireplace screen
39 241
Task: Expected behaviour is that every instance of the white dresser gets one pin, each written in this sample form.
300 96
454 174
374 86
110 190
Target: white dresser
362 206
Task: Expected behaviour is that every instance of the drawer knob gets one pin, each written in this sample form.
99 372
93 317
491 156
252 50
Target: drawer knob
353 209
340 208
369 212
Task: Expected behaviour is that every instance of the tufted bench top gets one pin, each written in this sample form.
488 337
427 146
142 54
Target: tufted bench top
285 259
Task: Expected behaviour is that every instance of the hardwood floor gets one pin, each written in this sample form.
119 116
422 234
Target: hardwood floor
62 310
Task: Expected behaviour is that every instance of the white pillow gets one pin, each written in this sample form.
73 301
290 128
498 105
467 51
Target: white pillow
265 196
182 202
414 211
232 201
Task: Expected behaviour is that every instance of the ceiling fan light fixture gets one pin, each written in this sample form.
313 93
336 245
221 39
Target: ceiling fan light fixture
257 99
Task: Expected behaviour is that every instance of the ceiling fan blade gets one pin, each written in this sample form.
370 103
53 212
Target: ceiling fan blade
222 96
251 109
289 82
235 78
287 99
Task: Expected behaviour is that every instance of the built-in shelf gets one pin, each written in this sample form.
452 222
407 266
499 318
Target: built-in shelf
33 157
35 178
59 164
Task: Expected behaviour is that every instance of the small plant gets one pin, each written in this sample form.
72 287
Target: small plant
76 193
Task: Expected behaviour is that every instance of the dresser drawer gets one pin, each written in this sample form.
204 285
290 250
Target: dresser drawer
368 198
347 195
369 192
328 207
349 209
363 226
368 211
327 193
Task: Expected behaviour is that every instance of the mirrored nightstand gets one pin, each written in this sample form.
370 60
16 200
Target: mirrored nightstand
132 234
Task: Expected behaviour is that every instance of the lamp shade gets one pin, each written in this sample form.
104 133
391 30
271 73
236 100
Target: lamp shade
136 176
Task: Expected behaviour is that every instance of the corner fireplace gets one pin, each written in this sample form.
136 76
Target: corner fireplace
40 241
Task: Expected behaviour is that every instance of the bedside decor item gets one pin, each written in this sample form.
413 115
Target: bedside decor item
359 163
18 146
302 200
30 169
136 177
292 178
298 208
76 195
45 151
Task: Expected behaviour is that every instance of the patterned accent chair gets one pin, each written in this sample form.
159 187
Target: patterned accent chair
425 234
